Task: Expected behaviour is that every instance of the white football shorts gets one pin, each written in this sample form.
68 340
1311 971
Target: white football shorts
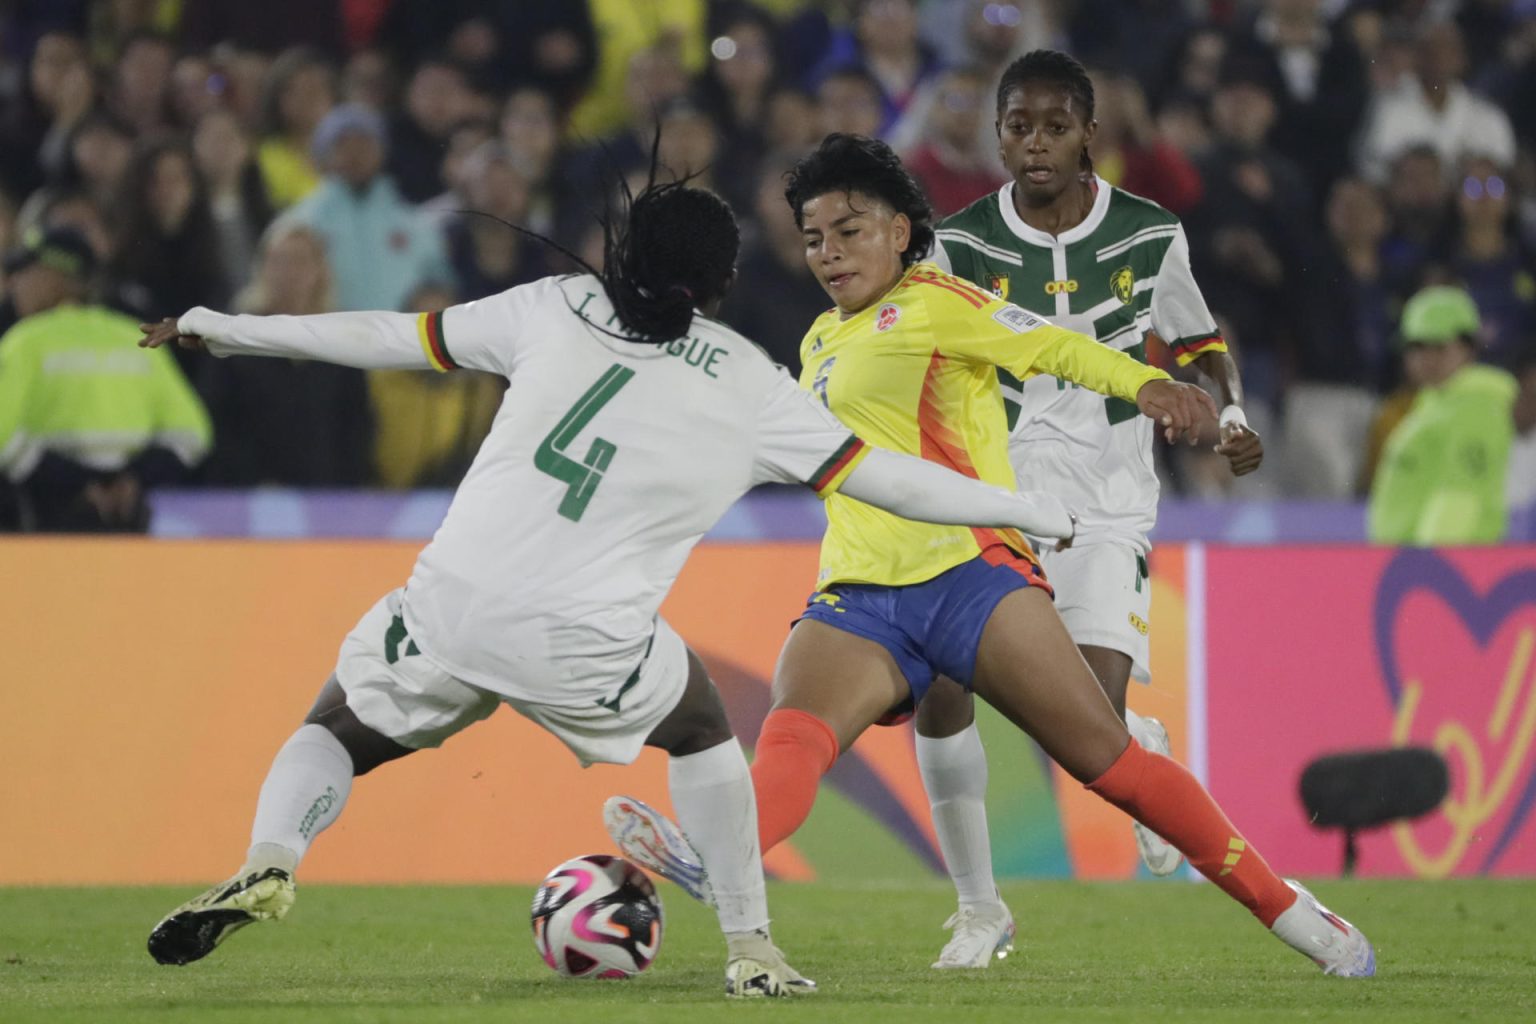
1104 595
399 692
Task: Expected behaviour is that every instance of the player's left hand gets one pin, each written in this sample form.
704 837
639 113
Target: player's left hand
1242 448
1182 410
167 331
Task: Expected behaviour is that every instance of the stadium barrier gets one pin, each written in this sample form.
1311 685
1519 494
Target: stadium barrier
148 683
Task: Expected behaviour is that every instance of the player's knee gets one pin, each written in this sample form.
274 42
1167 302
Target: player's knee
367 748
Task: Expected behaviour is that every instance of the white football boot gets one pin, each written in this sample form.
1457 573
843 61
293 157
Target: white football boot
980 934
192 930
652 840
757 969
1159 855
1331 942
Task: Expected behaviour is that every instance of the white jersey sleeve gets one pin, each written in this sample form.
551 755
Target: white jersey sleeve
1179 313
485 335
799 441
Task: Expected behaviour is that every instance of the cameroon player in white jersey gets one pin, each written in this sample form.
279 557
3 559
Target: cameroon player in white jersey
909 357
632 421
1063 243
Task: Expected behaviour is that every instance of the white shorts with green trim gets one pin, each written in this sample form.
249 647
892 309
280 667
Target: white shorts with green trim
1104 595
399 692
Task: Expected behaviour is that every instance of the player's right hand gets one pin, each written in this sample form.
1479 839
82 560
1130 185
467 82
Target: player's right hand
165 331
1182 410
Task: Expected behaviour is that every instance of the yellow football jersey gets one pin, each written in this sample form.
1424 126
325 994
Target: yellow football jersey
916 372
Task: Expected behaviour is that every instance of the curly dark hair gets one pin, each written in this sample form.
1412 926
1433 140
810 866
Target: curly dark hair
853 163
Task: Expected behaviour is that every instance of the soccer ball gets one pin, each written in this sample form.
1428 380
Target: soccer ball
597 917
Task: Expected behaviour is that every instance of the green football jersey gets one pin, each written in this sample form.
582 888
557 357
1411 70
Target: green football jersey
1119 275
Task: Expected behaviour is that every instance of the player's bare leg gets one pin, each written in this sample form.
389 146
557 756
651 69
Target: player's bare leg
954 769
712 792
305 791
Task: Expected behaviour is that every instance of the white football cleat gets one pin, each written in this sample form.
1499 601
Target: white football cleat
1324 937
192 930
981 933
1159 855
757 969
652 840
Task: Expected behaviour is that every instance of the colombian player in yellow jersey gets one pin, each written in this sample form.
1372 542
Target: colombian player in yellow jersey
909 360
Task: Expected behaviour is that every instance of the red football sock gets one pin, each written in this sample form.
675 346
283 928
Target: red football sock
1161 794
794 750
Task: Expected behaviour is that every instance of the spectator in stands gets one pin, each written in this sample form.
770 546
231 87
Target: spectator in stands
793 122
883 42
1434 107
1341 352
167 253
1193 69
466 137
100 150
1323 85
1442 473
237 200
369 78
290 422
489 256
1521 488
1251 232
671 31
140 90
381 248
59 91
88 422
1489 258
1134 37
299 91
951 164
1420 204
1128 152
437 99
530 129
736 87
197 87
265 27
776 296
690 147
986 35
848 100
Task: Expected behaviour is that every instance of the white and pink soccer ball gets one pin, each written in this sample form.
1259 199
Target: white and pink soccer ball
597 917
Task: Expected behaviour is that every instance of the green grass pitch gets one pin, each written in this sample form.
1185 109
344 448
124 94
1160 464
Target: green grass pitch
1458 950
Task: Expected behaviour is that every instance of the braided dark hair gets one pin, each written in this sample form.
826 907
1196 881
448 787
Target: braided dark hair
1052 67
853 163
666 250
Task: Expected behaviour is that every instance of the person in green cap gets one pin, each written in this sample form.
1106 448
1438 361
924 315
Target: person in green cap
1441 479
88 421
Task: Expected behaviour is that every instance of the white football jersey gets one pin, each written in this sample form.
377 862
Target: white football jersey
606 463
1120 274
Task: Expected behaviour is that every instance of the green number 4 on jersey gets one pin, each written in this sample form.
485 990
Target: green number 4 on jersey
581 478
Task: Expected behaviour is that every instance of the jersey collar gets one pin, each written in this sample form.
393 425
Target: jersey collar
1035 236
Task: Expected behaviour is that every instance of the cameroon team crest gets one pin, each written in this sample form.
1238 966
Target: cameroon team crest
1123 283
999 285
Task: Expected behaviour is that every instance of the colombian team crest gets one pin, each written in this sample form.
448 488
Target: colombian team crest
999 285
1123 283
887 317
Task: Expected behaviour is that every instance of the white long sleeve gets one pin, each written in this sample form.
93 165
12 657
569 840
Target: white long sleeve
923 491
370 341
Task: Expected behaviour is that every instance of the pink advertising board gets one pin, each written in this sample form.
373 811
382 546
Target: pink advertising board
1318 650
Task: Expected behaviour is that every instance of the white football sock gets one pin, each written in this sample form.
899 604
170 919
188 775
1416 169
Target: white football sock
1138 729
305 791
717 807
954 770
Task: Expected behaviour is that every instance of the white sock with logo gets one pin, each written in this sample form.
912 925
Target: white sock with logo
717 807
954 770
306 789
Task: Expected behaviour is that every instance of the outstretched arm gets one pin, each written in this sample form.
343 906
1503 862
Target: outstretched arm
915 489
373 341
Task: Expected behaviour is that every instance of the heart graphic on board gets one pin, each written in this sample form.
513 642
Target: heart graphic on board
1460 671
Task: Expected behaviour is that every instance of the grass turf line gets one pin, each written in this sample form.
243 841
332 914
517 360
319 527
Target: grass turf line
1463 949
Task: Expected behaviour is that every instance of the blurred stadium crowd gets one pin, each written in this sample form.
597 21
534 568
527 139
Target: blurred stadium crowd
1328 158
